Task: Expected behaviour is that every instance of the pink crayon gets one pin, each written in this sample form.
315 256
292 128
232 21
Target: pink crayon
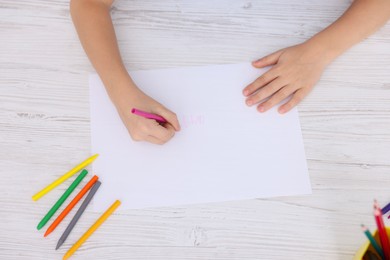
158 118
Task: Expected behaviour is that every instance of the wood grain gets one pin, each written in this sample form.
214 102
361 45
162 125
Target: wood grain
45 130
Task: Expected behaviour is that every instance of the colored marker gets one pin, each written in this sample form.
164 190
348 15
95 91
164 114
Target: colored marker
78 214
62 199
382 233
158 118
71 205
64 177
372 240
92 229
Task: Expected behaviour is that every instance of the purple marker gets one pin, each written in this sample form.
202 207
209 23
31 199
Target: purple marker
158 118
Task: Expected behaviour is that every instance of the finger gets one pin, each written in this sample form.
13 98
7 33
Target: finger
265 92
276 98
170 127
160 132
143 136
295 100
267 60
261 81
169 116
154 140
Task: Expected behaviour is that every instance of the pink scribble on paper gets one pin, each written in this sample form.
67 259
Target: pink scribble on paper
191 120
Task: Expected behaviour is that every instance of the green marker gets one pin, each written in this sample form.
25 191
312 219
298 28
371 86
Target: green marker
62 199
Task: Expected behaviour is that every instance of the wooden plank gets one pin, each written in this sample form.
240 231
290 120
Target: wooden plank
44 130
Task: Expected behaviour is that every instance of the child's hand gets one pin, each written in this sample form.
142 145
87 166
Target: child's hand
295 71
140 128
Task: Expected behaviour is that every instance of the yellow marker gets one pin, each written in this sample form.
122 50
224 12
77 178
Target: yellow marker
64 177
92 229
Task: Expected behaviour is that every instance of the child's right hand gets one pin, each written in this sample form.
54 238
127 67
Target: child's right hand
140 128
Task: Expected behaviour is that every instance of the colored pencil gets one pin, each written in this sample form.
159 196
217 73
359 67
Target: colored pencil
64 177
158 118
70 206
92 229
373 242
78 214
386 209
371 256
376 205
382 233
62 199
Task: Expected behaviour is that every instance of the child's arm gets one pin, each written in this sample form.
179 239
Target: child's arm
96 32
298 68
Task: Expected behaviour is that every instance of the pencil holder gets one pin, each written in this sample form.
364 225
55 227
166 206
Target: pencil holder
368 247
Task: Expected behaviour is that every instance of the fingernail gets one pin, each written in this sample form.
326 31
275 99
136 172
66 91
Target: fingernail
246 92
282 110
249 102
261 109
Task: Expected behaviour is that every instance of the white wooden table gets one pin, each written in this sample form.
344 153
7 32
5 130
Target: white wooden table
45 130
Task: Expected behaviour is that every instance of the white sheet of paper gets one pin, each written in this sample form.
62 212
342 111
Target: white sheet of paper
225 150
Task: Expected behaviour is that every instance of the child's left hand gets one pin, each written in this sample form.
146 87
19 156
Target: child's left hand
295 71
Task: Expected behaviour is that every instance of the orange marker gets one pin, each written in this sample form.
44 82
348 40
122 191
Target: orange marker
71 205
